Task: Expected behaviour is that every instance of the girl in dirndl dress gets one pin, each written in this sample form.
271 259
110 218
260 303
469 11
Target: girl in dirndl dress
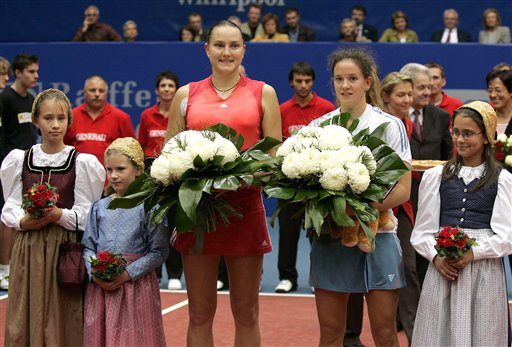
464 300
39 311
125 311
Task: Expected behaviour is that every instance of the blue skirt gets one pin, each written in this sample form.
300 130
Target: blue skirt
343 269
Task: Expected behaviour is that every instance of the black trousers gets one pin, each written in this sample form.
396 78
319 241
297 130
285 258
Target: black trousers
290 226
410 294
173 265
354 320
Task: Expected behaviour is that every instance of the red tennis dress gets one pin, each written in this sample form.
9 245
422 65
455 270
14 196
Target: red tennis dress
243 112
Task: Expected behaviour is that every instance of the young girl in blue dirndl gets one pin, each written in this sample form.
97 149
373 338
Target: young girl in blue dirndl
464 300
125 311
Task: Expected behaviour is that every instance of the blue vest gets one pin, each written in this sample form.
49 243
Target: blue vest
462 206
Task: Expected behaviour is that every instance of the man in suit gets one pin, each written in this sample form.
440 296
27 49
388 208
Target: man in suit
253 26
450 34
195 20
295 29
430 139
365 32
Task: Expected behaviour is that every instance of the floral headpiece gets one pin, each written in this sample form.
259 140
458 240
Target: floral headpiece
129 147
488 115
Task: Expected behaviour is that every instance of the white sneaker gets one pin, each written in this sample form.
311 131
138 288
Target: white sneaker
285 286
174 284
4 282
220 285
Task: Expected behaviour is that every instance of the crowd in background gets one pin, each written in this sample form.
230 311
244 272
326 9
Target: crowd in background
266 28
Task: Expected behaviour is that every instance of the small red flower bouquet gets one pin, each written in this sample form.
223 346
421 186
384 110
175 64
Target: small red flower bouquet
39 198
107 265
503 150
453 242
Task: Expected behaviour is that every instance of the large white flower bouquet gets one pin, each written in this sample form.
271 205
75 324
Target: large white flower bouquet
191 171
336 174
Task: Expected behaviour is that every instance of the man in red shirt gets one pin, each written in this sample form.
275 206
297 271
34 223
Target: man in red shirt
96 123
296 113
437 96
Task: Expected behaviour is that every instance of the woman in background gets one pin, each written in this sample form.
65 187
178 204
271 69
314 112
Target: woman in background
493 31
396 91
270 26
399 31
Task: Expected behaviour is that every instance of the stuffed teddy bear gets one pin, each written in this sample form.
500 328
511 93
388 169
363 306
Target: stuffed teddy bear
355 236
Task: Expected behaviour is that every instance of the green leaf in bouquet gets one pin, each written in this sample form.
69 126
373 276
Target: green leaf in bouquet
300 195
314 216
374 192
360 138
229 133
391 162
190 194
135 194
139 182
285 193
248 179
199 162
339 214
389 177
373 143
369 233
274 215
232 165
322 194
216 161
183 223
157 196
382 152
263 145
129 201
378 132
343 120
161 212
256 155
229 182
311 194
207 187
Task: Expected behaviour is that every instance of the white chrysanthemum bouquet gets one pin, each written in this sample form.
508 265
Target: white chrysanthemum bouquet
336 174
179 153
328 155
193 167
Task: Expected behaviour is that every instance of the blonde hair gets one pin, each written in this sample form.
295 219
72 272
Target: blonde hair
51 94
129 147
5 66
390 82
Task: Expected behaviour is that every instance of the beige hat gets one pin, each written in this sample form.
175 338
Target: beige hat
129 147
488 115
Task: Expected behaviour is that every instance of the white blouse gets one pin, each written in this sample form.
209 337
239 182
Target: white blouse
429 211
89 183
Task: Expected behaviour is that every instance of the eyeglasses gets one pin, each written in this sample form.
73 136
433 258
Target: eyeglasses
466 135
